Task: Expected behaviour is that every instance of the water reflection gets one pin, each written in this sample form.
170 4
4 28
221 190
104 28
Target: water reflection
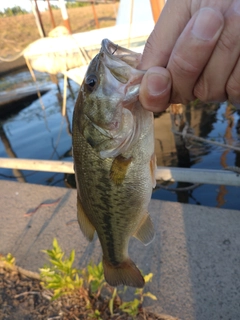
40 133
219 122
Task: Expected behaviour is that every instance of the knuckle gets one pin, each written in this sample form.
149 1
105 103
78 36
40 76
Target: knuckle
233 87
227 41
150 57
200 90
183 68
149 44
208 93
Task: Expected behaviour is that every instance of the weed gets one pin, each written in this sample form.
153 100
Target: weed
96 315
141 293
111 301
133 307
9 259
130 307
62 278
95 278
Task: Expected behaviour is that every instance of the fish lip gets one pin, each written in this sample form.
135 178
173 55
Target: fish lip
109 48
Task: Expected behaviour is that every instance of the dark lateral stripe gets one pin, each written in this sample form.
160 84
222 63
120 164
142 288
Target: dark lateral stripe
109 238
105 189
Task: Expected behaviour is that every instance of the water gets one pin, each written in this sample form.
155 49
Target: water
37 133
42 133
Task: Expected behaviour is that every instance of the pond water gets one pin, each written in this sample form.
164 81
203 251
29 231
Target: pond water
39 131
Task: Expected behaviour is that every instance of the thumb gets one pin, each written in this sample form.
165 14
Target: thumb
155 89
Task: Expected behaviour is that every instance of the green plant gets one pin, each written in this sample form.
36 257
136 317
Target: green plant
77 4
132 307
9 259
60 277
111 301
14 11
95 278
141 293
96 315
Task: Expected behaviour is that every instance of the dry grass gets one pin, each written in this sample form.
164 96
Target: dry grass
17 32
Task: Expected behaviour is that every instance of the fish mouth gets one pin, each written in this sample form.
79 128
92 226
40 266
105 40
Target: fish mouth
109 48
116 52
122 63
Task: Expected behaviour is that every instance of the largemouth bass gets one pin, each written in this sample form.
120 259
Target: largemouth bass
113 150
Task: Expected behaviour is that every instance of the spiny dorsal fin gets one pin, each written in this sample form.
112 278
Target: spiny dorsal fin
145 230
119 169
125 273
84 223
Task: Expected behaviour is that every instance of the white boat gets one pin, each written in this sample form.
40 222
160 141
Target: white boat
70 54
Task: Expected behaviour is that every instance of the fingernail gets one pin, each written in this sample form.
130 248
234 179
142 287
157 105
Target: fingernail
207 24
157 83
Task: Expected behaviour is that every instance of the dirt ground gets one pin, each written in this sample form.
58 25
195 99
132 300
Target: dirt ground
19 31
23 298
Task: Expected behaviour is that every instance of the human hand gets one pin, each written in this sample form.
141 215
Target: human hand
193 52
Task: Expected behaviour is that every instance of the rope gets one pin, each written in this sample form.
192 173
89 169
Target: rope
192 136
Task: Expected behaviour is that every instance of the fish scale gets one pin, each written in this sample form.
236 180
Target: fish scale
113 149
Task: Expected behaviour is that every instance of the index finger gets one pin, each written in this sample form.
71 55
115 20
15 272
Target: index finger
165 34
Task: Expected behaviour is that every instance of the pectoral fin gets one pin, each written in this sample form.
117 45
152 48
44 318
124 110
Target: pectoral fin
145 231
84 223
119 169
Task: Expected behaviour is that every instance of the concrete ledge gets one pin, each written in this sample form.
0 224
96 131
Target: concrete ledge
195 257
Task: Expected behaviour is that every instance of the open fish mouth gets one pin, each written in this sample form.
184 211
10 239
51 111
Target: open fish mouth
115 52
122 63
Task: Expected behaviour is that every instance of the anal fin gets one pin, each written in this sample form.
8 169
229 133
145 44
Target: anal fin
145 230
85 225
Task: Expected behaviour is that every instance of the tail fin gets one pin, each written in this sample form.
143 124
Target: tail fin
125 273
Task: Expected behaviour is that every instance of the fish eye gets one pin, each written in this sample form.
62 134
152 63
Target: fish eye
91 81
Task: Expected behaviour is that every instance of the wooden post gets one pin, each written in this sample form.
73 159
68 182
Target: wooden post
37 16
51 15
17 173
157 6
65 15
95 15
